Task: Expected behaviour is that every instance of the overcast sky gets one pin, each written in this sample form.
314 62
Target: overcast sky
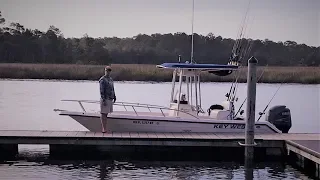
278 20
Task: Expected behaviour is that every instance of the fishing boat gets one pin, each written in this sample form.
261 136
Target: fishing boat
184 112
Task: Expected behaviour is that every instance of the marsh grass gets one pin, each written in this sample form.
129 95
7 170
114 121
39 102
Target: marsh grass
146 72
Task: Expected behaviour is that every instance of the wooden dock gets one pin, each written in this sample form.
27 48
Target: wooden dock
305 154
302 148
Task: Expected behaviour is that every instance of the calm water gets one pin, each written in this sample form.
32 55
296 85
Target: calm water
70 170
28 105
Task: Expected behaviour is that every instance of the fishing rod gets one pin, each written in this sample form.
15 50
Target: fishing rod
250 43
263 112
192 40
236 52
242 29
246 97
230 90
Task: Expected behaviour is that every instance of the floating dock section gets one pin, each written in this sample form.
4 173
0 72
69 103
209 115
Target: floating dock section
300 149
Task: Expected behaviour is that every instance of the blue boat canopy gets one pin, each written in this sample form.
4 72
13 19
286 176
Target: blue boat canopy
203 67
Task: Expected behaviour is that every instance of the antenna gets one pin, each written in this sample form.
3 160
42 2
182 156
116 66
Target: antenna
192 31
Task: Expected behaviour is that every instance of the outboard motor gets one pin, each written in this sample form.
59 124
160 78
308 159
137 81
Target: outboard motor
280 117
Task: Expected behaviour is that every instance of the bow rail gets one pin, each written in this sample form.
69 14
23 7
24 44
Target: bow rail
127 104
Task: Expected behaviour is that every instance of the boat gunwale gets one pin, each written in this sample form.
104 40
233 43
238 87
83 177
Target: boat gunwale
167 119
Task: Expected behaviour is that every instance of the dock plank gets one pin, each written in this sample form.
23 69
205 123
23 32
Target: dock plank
169 135
90 134
17 133
178 135
203 135
71 134
51 134
212 136
125 135
313 145
143 135
2 133
188 136
22 133
152 135
115 135
223 135
134 135
45 133
196 135
161 135
104 135
218 135
235 136
38 134
81 133
100 134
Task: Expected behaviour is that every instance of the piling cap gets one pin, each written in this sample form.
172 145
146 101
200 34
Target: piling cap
253 60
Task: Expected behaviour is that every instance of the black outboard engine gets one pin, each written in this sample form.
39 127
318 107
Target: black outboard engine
280 116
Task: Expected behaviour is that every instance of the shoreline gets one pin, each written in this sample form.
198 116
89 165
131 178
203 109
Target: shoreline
148 73
140 82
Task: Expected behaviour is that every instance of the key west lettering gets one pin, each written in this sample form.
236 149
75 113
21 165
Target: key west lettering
231 126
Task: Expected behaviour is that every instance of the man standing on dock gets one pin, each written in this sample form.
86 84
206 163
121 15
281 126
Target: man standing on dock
107 95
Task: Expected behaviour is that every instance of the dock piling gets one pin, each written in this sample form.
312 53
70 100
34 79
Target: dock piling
251 107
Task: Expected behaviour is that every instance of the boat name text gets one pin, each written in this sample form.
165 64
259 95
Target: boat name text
145 122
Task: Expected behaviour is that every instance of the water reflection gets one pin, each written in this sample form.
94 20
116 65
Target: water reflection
106 170
155 170
248 168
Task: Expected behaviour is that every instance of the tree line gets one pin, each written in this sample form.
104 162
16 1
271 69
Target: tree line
22 45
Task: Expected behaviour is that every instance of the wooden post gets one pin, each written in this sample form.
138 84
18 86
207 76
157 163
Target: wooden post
251 107
248 168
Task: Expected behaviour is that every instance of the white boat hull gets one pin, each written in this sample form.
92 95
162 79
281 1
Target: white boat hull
132 123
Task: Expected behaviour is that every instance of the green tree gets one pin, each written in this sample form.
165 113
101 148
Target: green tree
20 44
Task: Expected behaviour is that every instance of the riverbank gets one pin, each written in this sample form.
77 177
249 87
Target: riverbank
146 72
